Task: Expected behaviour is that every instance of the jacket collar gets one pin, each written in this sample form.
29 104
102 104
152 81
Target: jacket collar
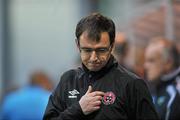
171 76
110 64
168 79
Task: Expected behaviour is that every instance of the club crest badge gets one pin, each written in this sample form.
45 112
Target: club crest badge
108 98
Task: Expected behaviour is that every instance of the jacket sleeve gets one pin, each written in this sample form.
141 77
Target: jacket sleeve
140 101
56 108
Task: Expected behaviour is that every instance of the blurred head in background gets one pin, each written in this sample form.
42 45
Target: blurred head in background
28 102
121 49
161 57
41 79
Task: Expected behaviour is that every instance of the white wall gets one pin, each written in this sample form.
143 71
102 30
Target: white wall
43 33
1 50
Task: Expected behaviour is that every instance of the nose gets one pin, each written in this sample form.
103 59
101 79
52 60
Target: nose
94 56
147 65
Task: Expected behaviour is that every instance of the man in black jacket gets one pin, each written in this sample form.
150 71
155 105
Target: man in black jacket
100 89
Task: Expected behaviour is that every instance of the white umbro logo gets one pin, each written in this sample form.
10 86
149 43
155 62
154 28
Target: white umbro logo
73 93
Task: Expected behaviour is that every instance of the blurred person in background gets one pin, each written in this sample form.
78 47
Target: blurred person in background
178 79
100 89
161 60
178 70
121 50
178 47
175 76
28 103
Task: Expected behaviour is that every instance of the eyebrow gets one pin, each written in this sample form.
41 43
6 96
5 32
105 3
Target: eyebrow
94 48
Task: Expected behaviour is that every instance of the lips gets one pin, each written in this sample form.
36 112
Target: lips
94 64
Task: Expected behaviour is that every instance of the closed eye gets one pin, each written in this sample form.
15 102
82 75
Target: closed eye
102 50
88 50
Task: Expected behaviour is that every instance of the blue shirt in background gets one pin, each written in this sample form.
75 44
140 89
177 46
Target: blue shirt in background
28 103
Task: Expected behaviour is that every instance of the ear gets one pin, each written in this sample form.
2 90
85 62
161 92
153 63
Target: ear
169 64
77 43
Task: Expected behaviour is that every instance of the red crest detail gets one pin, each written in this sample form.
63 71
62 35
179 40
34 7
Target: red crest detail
108 98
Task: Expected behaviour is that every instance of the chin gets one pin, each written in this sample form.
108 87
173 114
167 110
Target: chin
94 69
153 80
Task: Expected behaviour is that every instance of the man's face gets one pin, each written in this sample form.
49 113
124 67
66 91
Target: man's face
95 55
154 62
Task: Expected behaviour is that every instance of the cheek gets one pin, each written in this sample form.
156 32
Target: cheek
153 64
84 59
155 70
107 57
104 59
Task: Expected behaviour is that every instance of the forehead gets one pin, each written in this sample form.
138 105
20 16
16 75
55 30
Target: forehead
85 41
154 51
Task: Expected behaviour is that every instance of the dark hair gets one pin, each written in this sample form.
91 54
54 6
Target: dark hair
41 78
94 25
175 56
121 48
